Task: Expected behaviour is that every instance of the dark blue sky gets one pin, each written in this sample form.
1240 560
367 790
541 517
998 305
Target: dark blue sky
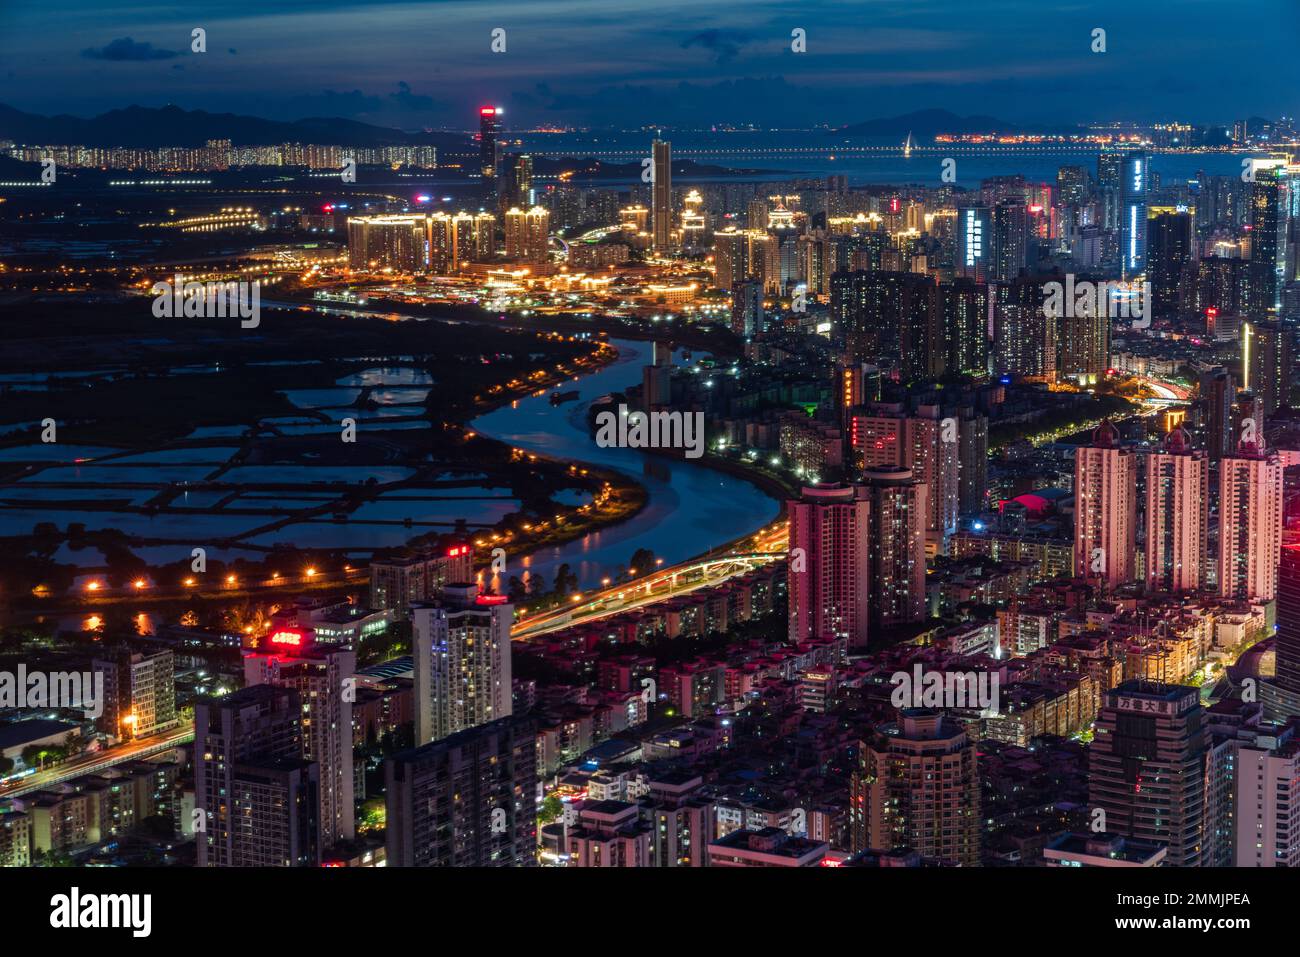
670 62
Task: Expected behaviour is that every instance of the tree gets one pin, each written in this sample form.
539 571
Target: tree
551 809
643 562
565 580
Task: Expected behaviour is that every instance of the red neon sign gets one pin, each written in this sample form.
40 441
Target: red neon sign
286 638
491 599
458 550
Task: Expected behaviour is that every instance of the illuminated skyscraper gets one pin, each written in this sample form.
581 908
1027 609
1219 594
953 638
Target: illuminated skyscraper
974 243
1072 185
1264 202
1024 339
662 191
489 146
694 222
1216 391
1250 519
1177 510
1135 172
747 308
475 237
1266 359
523 180
1105 509
890 314
1171 237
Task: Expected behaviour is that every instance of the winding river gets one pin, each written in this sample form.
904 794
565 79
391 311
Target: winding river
691 508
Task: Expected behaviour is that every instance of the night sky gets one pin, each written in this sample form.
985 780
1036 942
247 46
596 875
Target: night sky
673 62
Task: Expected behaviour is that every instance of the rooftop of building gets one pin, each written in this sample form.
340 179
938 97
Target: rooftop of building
35 729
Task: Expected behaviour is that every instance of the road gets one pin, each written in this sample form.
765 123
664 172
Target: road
765 546
99 761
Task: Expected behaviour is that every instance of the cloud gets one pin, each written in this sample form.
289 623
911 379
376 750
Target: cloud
126 50
406 100
723 45
354 103
333 103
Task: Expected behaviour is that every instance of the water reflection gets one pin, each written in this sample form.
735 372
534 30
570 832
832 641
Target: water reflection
691 508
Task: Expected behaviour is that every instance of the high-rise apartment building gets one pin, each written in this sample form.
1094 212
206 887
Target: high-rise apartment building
829 576
1105 509
1265 810
1171 249
964 305
139 692
747 308
528 234
1281 696
461 650
323 676
397 583
917 786
1177 515
258 798
896 551
1250 521
975 243
467 800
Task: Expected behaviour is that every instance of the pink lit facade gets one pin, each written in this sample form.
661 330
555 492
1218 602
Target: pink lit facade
1250 524
1177 511
829 564
1105 509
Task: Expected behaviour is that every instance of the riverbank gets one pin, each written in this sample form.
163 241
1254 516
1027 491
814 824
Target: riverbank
694 506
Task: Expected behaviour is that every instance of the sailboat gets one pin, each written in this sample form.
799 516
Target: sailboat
907 146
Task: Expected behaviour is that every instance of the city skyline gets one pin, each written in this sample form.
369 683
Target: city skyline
571 434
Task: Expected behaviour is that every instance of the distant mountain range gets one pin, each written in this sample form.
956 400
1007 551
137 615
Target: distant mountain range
142 127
